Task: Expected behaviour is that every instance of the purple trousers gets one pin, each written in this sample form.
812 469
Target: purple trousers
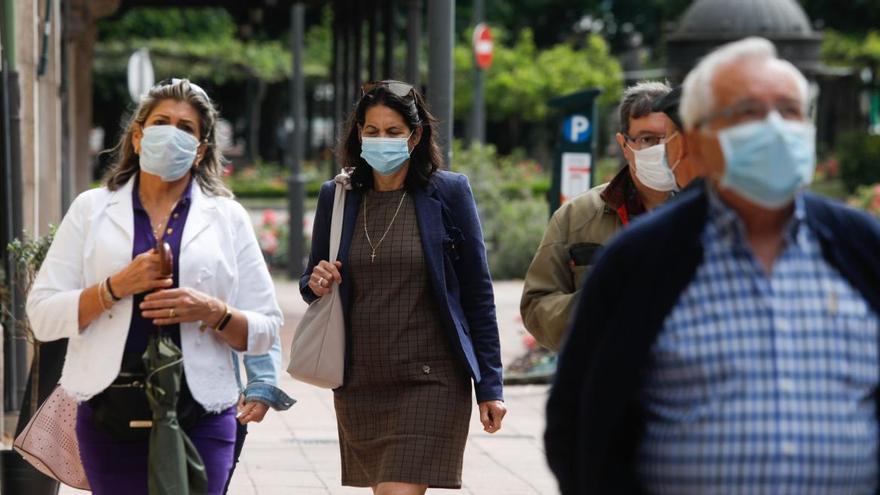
115 467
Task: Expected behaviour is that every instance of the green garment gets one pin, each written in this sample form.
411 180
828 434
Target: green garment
175 467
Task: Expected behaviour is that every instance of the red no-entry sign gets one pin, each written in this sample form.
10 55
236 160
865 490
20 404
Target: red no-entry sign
483 46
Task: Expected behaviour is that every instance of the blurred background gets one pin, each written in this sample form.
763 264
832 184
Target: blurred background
506 78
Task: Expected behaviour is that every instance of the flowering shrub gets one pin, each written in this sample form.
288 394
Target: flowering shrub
272 235
867 198
511 198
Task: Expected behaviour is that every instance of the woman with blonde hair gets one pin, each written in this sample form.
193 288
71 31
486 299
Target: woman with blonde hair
103 286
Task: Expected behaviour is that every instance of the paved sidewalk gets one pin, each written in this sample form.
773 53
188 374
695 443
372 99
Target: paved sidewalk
297 452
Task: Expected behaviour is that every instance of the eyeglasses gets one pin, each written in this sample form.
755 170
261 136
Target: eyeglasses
647 140
397 88
754 110
195 87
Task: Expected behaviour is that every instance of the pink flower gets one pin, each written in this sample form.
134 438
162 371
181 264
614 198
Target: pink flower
228 170
268 242
269 217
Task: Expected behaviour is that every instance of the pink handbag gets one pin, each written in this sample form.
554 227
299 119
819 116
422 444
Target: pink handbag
49 443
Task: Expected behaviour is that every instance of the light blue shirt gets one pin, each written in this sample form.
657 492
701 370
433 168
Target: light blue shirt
262 378
762 383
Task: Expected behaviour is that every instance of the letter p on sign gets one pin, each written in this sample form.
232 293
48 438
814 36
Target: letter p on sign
577 129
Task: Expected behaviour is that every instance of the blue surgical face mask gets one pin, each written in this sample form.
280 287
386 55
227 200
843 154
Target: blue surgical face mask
768 161
167 151
385 155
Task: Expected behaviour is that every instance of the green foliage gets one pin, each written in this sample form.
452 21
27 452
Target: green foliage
174 23
522 77
867 198
269 180
851 50
852 16
201 44
509 192
27 255
859 155
219 60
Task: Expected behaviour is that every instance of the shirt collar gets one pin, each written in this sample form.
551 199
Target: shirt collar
621 191
731 231
185 197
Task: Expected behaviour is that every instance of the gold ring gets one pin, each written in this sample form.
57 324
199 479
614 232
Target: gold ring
321 282
171 313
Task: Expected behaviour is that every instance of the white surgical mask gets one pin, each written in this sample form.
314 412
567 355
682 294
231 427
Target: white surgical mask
652 170
167 151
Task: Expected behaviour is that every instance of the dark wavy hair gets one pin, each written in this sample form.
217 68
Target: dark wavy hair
425 158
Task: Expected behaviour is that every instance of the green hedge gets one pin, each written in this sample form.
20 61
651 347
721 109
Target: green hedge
859 155
511 194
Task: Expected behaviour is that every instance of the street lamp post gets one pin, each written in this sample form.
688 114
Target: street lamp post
296 145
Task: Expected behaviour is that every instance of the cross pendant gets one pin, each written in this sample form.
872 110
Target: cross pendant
372 257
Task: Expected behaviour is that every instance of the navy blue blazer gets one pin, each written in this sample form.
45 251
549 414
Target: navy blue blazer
456 256
595 418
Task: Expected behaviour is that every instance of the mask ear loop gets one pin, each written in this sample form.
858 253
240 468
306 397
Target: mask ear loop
666 141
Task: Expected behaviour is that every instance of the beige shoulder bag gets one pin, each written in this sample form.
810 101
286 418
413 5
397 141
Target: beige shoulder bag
317 355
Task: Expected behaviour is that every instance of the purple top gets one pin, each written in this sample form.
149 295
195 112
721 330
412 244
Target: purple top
144 241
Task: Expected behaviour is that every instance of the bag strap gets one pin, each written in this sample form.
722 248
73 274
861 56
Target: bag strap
336 219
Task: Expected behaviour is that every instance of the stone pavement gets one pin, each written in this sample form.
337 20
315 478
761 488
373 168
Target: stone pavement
297 452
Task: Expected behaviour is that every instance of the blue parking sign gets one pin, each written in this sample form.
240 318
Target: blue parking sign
577 128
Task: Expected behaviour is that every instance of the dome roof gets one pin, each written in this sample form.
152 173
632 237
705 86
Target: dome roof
706 24
733 19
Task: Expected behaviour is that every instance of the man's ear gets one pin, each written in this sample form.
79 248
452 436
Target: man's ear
627 153
684 145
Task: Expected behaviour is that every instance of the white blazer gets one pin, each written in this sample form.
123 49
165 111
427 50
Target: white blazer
219 255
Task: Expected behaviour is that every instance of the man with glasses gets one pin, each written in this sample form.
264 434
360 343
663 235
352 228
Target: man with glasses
679 154
580 227
729 343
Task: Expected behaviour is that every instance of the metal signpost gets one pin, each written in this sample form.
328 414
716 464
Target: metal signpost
483 48
575 146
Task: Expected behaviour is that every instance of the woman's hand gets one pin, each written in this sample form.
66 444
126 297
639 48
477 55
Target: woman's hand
251 412
491 414
143 274
323 276
184 305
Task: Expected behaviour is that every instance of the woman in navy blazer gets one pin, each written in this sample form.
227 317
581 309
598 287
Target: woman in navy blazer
417 297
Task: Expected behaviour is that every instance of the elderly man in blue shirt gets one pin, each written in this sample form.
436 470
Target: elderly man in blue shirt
728 343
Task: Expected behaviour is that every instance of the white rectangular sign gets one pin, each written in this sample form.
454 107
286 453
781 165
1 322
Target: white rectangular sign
576 171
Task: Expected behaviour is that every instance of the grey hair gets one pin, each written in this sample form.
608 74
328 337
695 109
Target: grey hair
638 101
698 98
208 172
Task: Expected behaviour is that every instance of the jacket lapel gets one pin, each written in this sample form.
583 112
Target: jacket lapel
429 213
119 209
349 219
199 217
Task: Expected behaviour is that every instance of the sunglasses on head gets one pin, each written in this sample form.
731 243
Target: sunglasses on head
195 87
397 88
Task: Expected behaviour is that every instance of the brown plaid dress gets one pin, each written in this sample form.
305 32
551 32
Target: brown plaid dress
403 414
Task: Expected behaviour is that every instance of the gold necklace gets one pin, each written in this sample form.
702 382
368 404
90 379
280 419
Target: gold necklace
158 227
367 234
